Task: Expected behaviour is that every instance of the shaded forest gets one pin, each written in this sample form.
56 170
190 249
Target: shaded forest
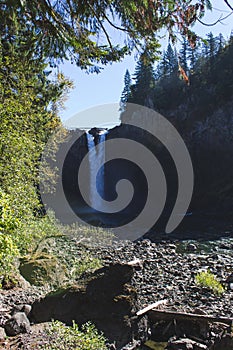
193 89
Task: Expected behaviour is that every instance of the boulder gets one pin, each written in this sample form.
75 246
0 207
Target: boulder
225 343
17 324
191 247
42 268
185 344
106 299
22 308
2 333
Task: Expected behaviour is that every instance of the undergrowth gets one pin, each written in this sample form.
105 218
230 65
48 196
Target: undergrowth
208 280
44 241
62 337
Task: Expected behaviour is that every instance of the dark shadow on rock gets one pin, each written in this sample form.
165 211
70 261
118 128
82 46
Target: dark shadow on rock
106 299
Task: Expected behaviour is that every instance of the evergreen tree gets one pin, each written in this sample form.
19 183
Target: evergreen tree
126 93
212 47
142 89
192 56
70 29
171 60
220 42
183 55
27 121
163 67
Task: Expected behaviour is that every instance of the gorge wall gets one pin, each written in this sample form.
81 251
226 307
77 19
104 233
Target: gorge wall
212 162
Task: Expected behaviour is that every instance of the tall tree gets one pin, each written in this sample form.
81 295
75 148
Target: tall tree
26 94
220 42
171 57
126 93
192 56
169 63
212 46
183 55
143 88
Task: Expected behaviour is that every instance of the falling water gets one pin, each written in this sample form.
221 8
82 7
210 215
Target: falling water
95 159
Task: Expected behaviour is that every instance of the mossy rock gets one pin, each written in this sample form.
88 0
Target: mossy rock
42 268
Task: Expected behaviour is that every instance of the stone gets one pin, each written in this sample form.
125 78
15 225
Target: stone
106 298
42 268
21 282
22 308
2 333
185 344
191 247
27 309
225 343
230 278
17 324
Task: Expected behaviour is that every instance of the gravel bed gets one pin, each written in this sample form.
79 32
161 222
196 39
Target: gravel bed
166 274
164 271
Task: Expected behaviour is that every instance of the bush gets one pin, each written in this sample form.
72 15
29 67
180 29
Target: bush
50 255
31 233
62 337
47 252
208 280
8 255
18 238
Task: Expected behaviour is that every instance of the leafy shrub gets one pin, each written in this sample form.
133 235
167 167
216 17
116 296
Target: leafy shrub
208 280
51 257
8 254
62 337
31 233
8 221
18 238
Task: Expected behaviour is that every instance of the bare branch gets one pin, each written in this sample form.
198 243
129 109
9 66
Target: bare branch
226 2
102 26
218 21
114 26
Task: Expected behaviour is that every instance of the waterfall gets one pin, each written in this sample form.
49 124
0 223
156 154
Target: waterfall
95 159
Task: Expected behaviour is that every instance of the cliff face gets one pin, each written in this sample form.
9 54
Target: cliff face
210 144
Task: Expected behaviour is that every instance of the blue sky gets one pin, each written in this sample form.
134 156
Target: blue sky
93 90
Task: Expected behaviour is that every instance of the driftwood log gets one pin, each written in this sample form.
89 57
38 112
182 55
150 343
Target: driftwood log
165 315
151 307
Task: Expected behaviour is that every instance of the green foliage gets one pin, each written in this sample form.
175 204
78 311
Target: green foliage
31 233
52 255
66 29
209 70
126 93
208 280
8 254
8 221
63 337
26 94
144 82
82 265
25 126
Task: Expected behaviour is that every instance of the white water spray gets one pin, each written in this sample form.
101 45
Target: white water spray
95 159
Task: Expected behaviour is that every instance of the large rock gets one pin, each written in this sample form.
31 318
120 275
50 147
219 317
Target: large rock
42 268
185 344
107 300
2 333
17 324
225 343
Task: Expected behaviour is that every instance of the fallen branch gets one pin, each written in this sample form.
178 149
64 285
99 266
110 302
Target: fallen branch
168 315
151 307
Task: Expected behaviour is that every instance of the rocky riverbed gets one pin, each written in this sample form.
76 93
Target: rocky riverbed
164 270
